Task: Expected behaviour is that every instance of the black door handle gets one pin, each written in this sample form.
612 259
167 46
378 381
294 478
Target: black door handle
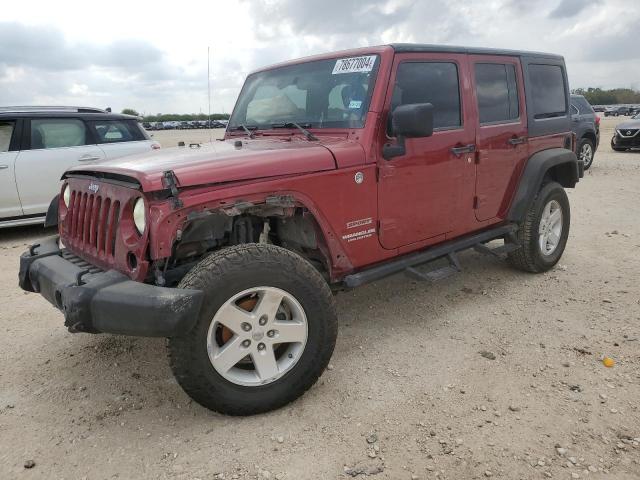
459 150
517 140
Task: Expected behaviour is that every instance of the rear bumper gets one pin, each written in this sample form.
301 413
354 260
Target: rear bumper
106 302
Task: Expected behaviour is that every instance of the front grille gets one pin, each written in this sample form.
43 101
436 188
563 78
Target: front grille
92 222
628 132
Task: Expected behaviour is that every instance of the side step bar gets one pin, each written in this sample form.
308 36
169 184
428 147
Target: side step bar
446 249
437 274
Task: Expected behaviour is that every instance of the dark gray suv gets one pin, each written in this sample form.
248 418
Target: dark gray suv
585 123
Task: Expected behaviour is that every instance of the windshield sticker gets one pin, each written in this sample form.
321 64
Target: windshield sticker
354 64
355 104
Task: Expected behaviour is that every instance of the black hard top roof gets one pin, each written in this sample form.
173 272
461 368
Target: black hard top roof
420 47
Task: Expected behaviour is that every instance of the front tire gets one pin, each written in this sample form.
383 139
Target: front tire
266 331
543 233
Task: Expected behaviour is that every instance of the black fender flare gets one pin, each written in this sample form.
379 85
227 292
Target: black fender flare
51 220
560 164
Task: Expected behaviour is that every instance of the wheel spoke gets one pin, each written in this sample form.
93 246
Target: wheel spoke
232 316
265 363
268 305
553 238
230 354
290 332
555 217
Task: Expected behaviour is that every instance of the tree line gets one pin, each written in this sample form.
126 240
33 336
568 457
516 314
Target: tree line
176 117
598 96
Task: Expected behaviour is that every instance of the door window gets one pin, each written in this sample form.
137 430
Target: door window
6 131
430 82
114 131
497 92
57 133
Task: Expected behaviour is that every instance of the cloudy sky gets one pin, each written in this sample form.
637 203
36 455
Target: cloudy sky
153 56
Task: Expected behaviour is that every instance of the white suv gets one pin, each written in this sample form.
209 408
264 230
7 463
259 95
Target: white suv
38 144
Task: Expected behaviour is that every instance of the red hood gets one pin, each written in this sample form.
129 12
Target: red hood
219 162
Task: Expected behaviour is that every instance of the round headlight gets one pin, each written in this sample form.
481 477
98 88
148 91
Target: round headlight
66 195
140 215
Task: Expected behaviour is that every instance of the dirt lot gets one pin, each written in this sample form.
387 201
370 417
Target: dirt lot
408 395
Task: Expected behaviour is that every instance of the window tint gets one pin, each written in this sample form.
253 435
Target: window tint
435 83
6 130
547 89
113 131
497 92
57 133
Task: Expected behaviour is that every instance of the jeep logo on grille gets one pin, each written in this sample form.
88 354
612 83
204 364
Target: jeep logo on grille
629 132
94 187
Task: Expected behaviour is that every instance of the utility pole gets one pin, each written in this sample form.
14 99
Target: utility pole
209 96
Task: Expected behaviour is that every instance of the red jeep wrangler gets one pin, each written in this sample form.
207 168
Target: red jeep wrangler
335 170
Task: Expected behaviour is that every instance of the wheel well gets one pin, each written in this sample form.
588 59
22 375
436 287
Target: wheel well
287 225
563 173
591 136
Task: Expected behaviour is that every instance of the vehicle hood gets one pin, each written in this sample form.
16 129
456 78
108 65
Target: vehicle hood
629 124
223 161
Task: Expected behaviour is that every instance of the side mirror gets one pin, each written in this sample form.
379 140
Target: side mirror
414 120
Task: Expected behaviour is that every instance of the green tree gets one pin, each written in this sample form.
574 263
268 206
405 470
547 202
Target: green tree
130 111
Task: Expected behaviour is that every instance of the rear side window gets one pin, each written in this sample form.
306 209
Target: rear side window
6 131
114 131
497 92
433 82
57 133
547 90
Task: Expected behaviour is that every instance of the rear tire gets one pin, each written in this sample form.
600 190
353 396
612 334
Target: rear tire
250 290
586 152
543 233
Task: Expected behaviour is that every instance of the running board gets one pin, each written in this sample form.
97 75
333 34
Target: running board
496 251
411 260
437 274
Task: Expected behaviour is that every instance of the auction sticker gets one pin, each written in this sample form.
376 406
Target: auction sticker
354 64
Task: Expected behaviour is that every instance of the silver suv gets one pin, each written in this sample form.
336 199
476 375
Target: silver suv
38 144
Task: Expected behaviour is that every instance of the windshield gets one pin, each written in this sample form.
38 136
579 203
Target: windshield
322 94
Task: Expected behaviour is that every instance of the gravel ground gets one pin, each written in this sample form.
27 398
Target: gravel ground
491 373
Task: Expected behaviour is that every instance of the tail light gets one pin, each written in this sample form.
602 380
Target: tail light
597 120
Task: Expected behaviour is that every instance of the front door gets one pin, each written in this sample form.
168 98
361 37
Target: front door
501 133
420 192
55 145
9 200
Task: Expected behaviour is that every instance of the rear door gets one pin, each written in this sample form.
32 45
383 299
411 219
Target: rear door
118 138
420 192
53 145
501 133
9 140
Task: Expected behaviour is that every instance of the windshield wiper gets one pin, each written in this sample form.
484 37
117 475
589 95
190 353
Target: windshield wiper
247 130
309 136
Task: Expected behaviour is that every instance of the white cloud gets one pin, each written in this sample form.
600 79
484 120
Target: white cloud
154 59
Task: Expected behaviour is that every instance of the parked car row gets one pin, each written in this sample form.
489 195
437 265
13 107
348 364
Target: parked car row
184 125
617 111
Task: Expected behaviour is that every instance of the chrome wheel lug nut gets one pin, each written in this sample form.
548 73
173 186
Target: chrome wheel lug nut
245 326
261 346
271 333
246 343
263 320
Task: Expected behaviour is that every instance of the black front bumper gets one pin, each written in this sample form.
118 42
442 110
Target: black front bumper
626 142
106 302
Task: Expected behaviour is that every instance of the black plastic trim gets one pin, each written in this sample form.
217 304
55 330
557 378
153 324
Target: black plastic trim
432 253
51 220
534 172
106 302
